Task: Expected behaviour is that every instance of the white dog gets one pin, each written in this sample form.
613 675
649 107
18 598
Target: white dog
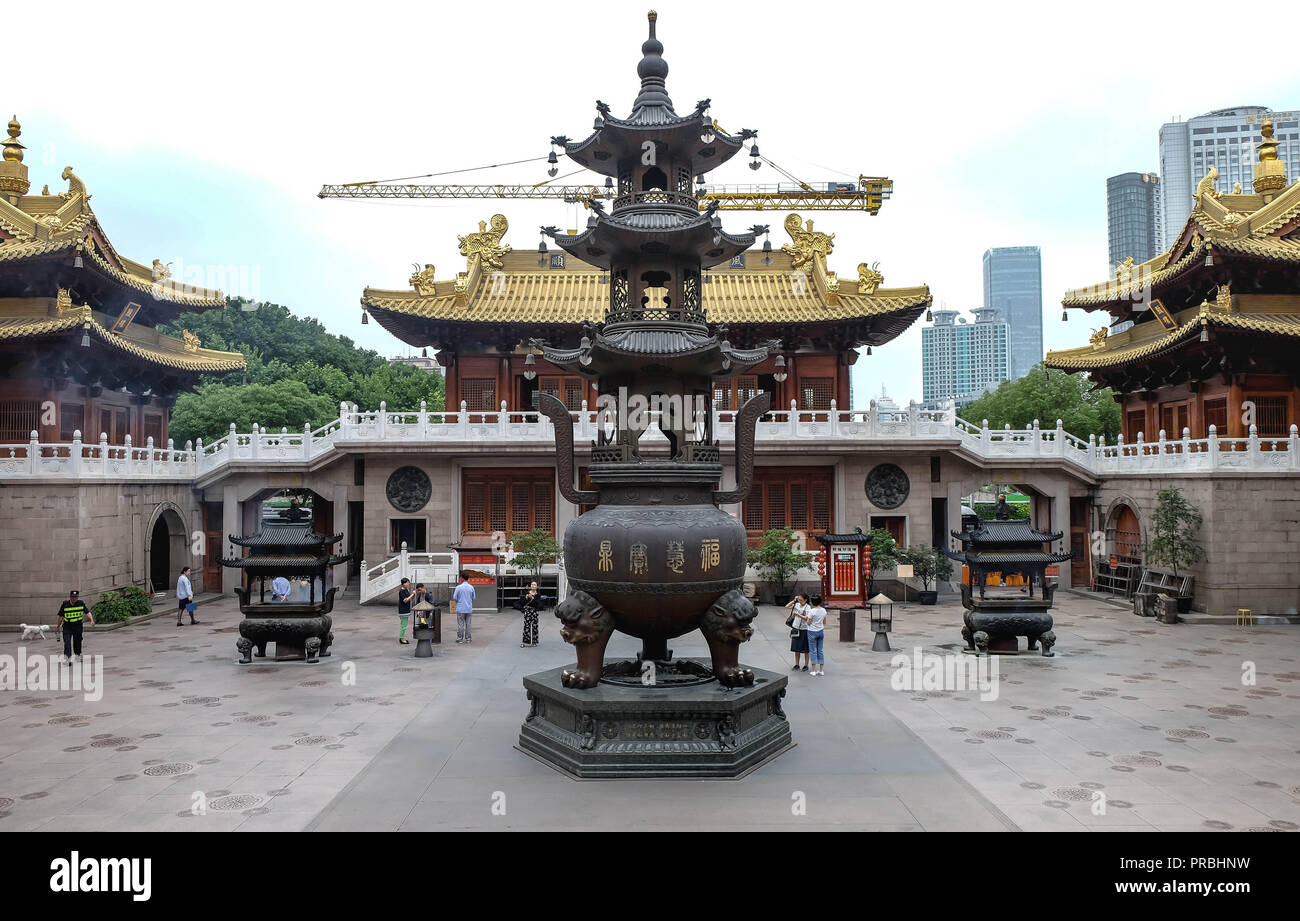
30 633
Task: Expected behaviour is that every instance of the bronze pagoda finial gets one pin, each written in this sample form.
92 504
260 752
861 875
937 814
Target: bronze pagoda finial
13 147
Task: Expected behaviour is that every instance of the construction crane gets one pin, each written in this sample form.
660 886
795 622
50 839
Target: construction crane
866 194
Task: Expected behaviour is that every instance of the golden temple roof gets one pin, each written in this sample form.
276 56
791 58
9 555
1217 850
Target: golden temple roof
793 287
27 320
1147 340
1260 225
32 226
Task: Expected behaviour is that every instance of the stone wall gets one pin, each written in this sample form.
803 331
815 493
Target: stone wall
90 537
1250 534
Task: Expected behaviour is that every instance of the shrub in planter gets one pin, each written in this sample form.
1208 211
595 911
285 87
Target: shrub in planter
928 565
776 560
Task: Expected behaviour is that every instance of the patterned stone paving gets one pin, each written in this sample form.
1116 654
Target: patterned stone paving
1124 708
1122 712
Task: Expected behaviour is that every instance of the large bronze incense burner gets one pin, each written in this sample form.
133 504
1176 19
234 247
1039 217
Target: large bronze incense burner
655 558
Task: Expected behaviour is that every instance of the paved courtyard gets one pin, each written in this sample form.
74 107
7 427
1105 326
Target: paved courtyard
1154 718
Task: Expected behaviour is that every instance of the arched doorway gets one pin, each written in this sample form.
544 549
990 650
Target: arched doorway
167 550
1120 570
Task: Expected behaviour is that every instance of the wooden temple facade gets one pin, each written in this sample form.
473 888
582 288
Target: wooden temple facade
1216 319
79 346
481 323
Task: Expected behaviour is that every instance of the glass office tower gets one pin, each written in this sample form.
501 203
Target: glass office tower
1013 286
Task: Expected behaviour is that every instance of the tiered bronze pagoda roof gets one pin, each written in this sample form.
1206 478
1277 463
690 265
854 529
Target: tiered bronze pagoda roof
62 279
1229 288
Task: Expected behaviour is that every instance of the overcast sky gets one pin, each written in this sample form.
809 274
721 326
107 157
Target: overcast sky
204 131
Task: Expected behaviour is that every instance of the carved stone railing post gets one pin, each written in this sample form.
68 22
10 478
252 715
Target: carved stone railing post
1060 438
1187 445
383 419
872 419
503 421
75 457
835 421
462 419
1293 446
1252 449
793 420
913 418
423 417
1036 438
986 437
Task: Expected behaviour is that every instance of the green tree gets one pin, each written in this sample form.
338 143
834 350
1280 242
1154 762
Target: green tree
775 558
534 548
1047 396
1175 527
208 412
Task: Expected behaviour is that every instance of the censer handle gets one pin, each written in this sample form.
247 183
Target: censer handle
555 410
746 420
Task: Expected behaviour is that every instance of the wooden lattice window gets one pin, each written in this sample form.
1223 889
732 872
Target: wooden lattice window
816 393
497 503
1174 418
732 395
821 505
1270 415
1216 414
479 394
18 419
776 505
72 418
510 501
790 497
573 390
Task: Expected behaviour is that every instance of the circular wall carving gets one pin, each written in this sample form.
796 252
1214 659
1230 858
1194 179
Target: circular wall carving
887 486
408 489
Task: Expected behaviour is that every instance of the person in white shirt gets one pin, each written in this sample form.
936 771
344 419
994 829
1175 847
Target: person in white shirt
799 630
816 619
184 597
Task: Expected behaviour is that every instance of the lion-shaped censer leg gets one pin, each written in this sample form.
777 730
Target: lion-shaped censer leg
725 626
588 626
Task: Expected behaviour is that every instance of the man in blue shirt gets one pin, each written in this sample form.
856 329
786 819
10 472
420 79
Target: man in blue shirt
464 598
184 596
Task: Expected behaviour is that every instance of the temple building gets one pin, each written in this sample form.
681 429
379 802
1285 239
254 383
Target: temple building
84 372
1216 318
78 322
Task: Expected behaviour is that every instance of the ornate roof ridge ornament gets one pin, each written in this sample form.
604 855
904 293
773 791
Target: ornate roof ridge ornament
1270 171
808 244
653 71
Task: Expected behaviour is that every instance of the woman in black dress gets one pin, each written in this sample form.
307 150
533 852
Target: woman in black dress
530 604
798 634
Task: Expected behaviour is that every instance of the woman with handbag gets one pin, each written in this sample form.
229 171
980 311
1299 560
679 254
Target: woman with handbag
798 622
530 604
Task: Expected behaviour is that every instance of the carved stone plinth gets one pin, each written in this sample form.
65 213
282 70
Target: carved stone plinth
687 726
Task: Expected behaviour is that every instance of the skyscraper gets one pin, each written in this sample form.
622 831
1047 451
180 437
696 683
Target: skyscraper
1133 221
959 360
1013 285
1224 139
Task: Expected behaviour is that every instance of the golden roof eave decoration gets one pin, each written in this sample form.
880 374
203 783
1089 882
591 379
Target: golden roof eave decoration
869 278
422 281
1091 357
809 247
178 356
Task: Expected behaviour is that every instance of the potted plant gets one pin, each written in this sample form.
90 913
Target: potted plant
1174 529
930 566
776 560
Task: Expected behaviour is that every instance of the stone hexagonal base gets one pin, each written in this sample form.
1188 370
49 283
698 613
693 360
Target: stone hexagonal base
616 730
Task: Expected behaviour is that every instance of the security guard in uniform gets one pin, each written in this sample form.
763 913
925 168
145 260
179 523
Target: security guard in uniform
71 614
